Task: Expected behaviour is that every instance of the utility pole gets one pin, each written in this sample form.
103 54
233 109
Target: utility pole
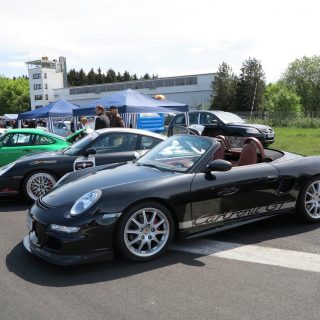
254 98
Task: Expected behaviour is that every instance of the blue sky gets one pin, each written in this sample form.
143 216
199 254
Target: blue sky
164 37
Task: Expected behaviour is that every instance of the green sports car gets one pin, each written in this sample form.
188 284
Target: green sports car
15 143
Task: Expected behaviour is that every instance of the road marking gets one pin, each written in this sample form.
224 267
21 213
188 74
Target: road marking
251 253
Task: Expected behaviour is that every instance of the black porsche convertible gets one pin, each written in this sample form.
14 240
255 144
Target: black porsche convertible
184 187
34 175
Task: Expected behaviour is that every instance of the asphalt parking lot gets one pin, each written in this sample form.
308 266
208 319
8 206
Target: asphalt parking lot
266 270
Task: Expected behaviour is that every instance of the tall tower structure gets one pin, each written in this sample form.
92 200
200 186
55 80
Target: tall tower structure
44 76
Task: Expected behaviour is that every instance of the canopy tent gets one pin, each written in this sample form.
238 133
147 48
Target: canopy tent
131 101
57 109
10 116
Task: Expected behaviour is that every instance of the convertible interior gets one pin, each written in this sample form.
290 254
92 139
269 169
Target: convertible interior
252 152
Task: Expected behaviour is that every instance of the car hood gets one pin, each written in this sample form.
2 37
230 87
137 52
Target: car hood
40 156
70 192
253 125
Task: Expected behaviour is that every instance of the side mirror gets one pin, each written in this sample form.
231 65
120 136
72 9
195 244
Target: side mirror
218 165
214 121
90 151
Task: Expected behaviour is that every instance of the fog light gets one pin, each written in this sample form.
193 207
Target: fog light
64 229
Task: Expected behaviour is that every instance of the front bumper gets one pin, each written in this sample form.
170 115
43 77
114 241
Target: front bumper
30 244
93 242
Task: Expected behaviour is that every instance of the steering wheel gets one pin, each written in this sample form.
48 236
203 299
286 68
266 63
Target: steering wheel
258 145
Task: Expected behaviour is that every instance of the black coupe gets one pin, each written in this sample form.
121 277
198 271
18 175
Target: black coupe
36 174
186 186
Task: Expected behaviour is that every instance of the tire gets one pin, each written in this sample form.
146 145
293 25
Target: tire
308 204
37 184
144 232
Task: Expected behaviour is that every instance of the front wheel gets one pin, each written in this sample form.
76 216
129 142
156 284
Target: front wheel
37 184
308 205
145 231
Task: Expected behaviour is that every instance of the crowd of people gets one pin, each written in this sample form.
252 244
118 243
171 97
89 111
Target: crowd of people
105 119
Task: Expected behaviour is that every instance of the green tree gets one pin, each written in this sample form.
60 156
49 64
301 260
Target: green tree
146 76
126 76
119 77
111 76
82 78
72 77
251 85
303 76
100 76
91 77
224 88
14 95
281 102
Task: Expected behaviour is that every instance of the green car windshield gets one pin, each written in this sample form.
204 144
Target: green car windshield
178 153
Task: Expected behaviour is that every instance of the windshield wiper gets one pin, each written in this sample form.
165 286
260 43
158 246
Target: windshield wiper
153 166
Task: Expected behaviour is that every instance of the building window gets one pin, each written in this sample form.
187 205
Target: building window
46 86
47 98
45 75
37 86
36 76
38 97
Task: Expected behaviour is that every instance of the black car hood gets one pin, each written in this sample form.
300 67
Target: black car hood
123 174
258 126
46 156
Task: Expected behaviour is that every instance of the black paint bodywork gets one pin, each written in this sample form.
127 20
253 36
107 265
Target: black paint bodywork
58 163
200 202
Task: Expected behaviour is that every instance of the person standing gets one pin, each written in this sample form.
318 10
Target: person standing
115 118
102 121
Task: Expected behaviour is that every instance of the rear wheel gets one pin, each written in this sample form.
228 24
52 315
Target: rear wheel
145 231
37 184
308 205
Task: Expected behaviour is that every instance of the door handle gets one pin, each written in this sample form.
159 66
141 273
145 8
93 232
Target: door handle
228 191
271 178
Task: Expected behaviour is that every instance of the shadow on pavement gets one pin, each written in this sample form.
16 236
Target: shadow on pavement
35 270
14 204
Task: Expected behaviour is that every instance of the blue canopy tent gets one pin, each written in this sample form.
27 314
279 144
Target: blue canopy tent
57 109
129 103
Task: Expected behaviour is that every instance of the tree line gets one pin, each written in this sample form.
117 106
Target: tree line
14 95
297 92
80 78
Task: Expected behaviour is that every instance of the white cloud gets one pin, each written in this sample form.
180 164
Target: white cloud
164 37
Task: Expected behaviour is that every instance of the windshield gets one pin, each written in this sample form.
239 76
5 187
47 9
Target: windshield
76 147
177 153
227 117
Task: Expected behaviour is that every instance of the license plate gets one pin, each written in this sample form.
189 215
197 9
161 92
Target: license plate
29 222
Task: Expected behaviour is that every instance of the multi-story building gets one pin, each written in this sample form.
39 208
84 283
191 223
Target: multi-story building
193 90
44 76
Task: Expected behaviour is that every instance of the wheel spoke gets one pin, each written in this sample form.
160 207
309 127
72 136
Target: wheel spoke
141 246
134 240
136 222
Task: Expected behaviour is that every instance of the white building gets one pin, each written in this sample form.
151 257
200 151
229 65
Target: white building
44 76
193 90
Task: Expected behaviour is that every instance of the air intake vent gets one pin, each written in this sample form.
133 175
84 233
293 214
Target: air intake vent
286 185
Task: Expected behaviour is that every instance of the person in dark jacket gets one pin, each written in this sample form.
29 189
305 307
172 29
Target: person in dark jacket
115 118
102 121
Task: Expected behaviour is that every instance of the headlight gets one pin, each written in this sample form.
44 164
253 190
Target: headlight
85 202
252 130
6 168
65 229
